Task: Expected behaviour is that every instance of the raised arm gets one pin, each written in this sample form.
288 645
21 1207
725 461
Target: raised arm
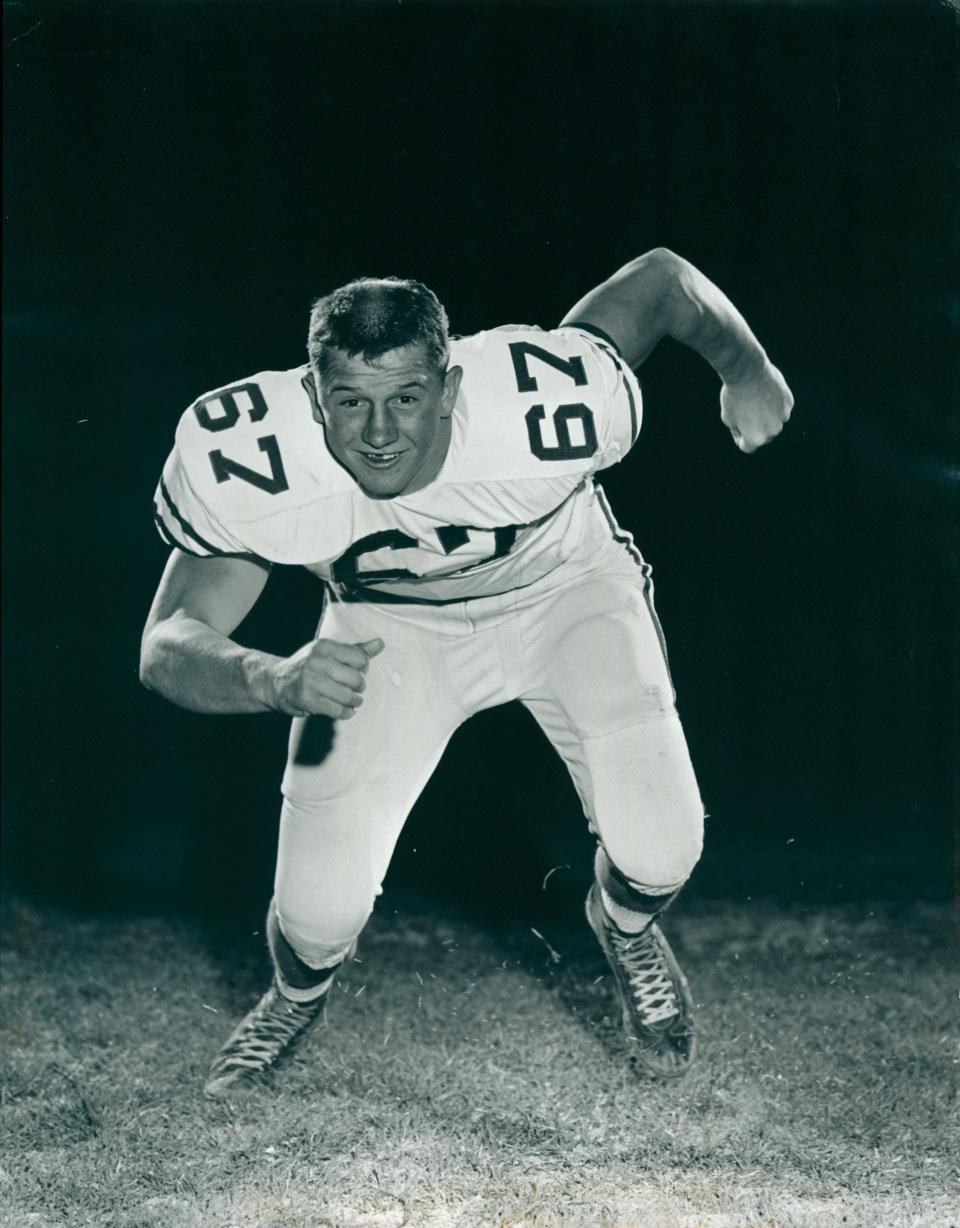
187 654
662 295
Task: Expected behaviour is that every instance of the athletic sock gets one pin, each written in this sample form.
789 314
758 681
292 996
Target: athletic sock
303 997
626 920
629 906
298 981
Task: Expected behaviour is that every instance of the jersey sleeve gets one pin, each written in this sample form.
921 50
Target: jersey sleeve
183 519
622 402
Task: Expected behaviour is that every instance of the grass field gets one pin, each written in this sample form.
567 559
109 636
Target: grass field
467 1077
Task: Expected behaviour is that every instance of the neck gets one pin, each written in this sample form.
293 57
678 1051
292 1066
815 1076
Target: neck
434 462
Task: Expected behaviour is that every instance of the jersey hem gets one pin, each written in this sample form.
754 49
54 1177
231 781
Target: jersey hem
592 328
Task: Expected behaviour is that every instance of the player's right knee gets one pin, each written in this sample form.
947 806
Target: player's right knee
321 938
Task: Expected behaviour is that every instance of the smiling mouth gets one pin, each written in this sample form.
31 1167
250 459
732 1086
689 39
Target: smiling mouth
381 460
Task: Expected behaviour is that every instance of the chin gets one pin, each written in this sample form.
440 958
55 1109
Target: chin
379 493
380 486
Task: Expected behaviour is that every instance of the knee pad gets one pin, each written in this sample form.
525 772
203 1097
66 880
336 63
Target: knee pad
644 803
325 885
651 899
299 980
301 948
296 969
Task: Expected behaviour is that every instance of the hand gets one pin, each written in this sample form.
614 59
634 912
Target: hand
756 408
323 678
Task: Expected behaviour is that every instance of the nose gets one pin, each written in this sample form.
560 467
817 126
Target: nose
380 428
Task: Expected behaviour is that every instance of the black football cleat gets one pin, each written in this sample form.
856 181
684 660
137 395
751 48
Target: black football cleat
254 1046
656 1000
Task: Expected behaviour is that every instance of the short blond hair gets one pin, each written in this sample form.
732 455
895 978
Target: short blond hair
373 315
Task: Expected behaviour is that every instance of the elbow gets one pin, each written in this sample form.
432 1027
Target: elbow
158 651
148 660
664 256
656 275
658 260
145 672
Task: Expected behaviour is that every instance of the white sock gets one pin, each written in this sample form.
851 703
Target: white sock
625 919
303 996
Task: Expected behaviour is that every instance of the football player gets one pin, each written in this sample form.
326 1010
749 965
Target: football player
444 489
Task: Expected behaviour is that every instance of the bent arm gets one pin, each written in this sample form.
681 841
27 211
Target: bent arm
662 295
187 654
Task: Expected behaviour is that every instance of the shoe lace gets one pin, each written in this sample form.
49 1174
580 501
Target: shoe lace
268 1030
648 974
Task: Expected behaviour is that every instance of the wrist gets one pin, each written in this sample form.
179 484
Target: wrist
260 672
744 367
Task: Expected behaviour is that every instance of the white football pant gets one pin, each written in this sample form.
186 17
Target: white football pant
582 651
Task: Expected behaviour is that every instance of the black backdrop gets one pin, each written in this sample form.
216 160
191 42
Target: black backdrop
182 179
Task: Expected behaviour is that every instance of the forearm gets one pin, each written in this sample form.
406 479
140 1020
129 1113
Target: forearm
700 315
194 666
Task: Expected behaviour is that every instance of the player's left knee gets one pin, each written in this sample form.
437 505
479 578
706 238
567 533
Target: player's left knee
650 868
643 886
646 805
670 862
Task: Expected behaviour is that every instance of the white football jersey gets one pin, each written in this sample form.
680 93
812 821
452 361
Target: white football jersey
537 415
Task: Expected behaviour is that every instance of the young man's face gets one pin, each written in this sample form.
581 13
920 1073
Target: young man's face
388 421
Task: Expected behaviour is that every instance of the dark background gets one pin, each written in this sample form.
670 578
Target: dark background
182 179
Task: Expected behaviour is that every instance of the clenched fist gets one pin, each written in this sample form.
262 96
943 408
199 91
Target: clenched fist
756 408
323 678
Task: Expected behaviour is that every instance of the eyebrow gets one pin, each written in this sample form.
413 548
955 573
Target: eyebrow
414 383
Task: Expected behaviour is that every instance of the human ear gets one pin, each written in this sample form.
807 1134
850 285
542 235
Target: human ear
309 383
451 389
